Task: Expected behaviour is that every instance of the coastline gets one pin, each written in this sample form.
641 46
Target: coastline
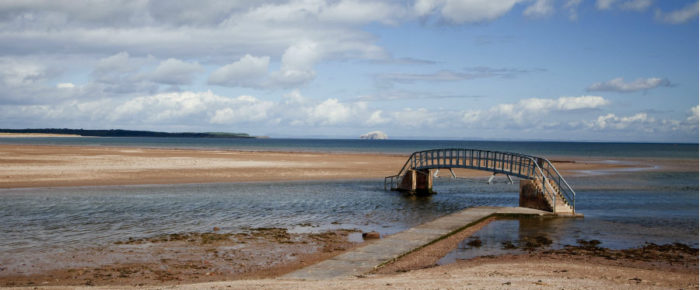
36 135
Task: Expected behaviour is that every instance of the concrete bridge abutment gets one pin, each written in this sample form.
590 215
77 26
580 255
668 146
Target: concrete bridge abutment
418 182
532 197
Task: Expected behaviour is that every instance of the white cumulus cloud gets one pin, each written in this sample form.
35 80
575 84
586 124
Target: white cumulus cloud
242 109
376 118
636 5
329 112
604 4
353 11
679 16
583 102
415 118
246 72
253 72
619 85
540 8
465 11
530 111
572 6
194 107
65 85
116 64
175 72
297 64
693 115
15 72
614 122
561 104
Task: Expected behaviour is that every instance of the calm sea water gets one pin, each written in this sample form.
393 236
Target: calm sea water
655 207
624 209
74 217
588 149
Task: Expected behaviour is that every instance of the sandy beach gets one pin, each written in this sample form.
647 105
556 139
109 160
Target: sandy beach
50 166
29 166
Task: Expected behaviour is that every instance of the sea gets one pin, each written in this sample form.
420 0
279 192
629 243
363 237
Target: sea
622 209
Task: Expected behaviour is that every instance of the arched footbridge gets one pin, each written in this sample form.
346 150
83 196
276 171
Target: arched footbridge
541 185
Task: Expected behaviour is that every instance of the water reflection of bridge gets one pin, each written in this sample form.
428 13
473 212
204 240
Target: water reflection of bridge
541 185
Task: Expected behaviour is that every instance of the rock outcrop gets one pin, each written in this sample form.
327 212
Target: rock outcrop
375 135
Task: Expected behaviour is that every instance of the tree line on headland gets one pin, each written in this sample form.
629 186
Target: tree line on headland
126 133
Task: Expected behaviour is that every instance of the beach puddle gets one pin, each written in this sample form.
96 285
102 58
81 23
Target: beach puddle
530 234
505 236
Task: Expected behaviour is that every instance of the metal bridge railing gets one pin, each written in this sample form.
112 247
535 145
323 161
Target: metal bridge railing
513 164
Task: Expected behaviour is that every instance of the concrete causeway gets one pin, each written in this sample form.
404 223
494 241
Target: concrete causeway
364 259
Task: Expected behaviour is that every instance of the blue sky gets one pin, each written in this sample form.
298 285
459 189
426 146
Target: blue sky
596 70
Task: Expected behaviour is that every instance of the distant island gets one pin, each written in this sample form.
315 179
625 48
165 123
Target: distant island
375 135
126 133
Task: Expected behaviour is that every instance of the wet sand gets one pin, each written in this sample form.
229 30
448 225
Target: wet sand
534 270
267 253
537 270
253 259
50 166
184 258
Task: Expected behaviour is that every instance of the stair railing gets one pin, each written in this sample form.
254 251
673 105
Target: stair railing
567 193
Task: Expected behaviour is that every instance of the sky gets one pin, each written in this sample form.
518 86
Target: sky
565 70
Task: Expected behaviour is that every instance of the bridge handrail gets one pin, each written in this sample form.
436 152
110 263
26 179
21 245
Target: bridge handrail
546 173
408 161
398 175
570 194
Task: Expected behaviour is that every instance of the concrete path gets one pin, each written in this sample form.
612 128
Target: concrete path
364 259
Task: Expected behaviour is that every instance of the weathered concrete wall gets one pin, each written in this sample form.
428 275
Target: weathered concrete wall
408 183
424 182
531 197
417 182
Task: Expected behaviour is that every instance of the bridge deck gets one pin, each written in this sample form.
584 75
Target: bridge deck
366 258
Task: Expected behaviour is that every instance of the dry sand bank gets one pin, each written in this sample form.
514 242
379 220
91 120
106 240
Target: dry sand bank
45 166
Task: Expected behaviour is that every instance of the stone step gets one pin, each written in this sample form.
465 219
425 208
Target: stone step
562 205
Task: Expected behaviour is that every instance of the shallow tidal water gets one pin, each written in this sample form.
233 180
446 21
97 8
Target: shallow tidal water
622 210
74 217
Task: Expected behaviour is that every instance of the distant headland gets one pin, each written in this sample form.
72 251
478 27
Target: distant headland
125 133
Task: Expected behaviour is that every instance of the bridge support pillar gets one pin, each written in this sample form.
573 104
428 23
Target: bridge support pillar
417 182
531 196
